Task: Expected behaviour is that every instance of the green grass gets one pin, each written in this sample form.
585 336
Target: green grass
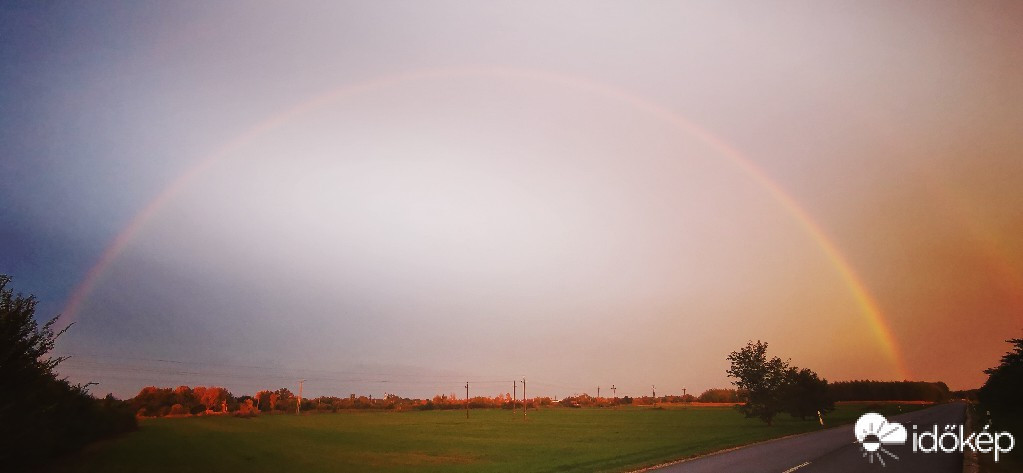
555 440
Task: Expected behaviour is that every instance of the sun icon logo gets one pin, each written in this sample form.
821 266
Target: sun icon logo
872 431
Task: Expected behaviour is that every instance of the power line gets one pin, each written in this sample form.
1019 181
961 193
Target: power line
80 366
272 368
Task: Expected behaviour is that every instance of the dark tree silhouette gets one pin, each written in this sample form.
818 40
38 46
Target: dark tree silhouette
1002 393
761 378
866 390
805 394
43 416
23 345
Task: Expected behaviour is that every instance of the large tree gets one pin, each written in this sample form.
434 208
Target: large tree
41 415
761 378
1002 393
23 344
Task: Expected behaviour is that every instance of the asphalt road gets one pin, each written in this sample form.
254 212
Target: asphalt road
836 450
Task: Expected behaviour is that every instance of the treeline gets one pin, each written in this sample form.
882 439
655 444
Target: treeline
586 400
867 390
720 395
967 394
183 400
202 400
213 400
503 401
41 415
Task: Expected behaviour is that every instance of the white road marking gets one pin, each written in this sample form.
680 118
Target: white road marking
790 470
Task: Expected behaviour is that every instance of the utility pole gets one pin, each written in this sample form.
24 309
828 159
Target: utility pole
615 394
598 392
653 392
466 399
298 409
515 395
524 398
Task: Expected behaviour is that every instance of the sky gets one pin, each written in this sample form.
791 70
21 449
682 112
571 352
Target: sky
399 197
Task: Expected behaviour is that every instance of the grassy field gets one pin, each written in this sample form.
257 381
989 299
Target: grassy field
554 439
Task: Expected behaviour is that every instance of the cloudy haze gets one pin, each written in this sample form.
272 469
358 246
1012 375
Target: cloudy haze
397 197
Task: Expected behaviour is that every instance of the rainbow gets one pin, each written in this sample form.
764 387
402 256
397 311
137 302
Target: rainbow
869 308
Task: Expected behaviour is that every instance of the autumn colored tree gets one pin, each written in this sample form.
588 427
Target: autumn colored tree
198 393
212 397
263 400
273 400
153 401
185 396
247 409
286 401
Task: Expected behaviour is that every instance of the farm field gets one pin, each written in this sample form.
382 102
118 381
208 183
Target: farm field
551 439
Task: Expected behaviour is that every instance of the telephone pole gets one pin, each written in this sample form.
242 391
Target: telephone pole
524 398
598 392
615 395
298 409
515 395
466 399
